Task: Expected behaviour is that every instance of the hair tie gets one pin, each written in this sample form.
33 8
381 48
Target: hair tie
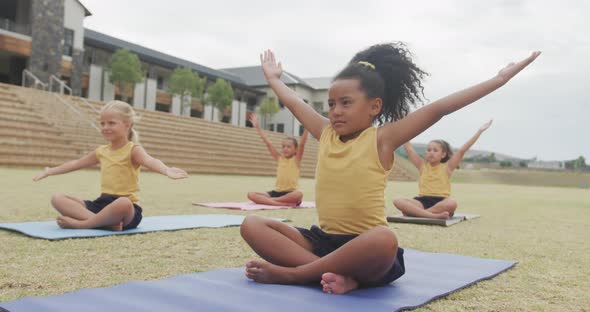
364 63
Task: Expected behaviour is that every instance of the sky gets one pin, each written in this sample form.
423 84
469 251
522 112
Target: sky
543 112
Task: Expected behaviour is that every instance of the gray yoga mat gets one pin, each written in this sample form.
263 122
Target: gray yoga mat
458 217
50 230
428 276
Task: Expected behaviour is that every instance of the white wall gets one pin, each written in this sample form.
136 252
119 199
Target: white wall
74 20
139 95
150 100
108 90
94 82
207 113
175 105
187 109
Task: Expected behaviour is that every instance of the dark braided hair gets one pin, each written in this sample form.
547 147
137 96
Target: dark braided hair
387 71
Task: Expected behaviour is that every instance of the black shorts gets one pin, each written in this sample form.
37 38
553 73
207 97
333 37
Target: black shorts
324 243
104 200
277 194
429 201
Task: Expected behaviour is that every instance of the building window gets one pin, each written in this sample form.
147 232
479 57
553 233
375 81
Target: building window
281 127
301 128
196 113
68 42
160 81
271 127
162 107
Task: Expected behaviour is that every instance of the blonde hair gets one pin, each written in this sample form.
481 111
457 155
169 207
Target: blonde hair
127 113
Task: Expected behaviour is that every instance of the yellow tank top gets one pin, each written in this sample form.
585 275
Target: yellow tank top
287 175
117 174
434 181
350 183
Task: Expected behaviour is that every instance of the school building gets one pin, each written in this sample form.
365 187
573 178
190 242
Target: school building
43 44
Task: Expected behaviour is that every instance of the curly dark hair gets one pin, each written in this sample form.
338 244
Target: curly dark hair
387 71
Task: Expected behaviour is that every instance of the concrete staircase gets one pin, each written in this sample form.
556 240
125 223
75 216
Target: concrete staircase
39 128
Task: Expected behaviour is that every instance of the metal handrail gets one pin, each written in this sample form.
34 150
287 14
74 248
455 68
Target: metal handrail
80 114
62 85
90 105
10 25
37 81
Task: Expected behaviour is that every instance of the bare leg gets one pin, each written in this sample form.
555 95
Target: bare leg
265 199
70 206
114 216
276 242
413 208
446 205
364 259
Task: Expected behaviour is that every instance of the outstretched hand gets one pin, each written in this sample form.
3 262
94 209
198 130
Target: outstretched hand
254 120
512 69
486 126
271 69
176 173
42 175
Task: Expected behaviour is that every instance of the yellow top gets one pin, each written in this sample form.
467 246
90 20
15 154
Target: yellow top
287 174
118 175
350 183
434 181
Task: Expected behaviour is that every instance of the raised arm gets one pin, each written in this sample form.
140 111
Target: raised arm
311 120
395 134
301 146
271 148
140 157
88 160
458 156
413 156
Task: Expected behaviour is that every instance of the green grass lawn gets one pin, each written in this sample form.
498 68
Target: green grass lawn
544 228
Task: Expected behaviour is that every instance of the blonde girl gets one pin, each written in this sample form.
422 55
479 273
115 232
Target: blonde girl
117 207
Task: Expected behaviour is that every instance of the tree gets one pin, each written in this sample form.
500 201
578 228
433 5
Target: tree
220 95
186 84
268 107
125 71
492 157
580 163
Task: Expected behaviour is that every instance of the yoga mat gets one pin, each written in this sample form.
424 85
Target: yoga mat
428 276
458 217
50 230
253 206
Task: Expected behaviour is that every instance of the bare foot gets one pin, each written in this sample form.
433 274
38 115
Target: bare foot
68 223
268 273
338 284
115 228
443 215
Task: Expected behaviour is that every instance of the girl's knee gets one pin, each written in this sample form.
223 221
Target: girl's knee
57 199
251 196
452 204
123 204
250 223
398 202
384 238
298 195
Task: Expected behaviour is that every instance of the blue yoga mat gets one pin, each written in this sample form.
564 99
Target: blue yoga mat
428 276
50 230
